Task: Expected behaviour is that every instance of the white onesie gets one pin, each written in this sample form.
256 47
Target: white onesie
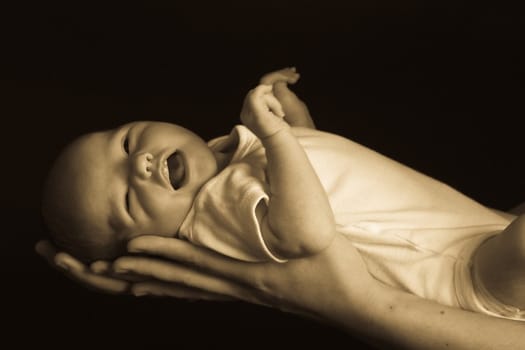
413 232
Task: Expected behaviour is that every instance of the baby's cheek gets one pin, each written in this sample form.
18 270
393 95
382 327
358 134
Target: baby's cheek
168 223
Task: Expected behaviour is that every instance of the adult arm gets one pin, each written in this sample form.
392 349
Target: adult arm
332 286
416 323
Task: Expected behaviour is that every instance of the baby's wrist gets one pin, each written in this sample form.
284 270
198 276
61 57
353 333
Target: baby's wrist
268 135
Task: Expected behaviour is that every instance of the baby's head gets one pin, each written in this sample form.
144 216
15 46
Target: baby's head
108 187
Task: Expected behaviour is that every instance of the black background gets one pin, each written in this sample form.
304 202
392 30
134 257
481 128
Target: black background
437 87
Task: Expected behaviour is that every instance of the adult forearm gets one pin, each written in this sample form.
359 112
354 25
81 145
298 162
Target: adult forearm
410 322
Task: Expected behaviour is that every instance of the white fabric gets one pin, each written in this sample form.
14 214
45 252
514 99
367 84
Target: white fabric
411 230
224 213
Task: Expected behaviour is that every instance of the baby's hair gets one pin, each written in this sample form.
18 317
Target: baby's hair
70 237
70 230
73 236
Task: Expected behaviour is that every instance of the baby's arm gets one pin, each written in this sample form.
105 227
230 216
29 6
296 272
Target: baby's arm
299 220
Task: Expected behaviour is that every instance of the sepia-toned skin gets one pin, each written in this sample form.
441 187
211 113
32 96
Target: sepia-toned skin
299 221
501 264
317 286
117 186
361 305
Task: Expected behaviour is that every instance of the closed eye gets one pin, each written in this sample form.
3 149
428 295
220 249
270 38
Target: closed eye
127 202
125 144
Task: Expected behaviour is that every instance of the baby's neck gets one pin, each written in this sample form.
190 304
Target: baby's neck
225 153
223 159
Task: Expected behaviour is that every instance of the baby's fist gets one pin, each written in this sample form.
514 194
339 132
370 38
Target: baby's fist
262 113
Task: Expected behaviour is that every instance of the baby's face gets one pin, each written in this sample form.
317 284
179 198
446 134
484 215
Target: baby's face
140 178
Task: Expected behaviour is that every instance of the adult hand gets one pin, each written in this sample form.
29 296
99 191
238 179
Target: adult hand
76 270
333 286
316 286
101 277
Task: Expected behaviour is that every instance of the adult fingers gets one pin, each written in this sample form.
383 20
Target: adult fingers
157 288
58 260
102 283
181 275
68 262
163 289
46 250
189 254
77 271
100 267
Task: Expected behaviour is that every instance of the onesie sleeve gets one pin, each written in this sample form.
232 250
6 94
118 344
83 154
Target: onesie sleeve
226 214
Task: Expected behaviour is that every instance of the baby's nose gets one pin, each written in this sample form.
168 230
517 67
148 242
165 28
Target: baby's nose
142 165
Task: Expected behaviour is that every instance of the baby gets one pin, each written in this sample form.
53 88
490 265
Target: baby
147 177
277 189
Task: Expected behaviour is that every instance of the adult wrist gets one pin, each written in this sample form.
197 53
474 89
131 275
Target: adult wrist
363 315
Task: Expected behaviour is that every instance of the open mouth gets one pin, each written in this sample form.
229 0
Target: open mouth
175 170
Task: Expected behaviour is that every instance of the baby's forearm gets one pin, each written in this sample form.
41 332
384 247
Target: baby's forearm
299 116
299 218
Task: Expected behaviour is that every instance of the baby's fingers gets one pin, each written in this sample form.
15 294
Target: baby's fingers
274 105
260 90
285 75
263 100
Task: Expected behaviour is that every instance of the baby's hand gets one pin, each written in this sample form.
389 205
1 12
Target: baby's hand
281 76
297 113
262 113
